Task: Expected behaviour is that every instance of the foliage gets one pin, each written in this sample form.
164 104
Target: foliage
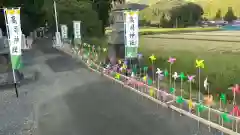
218 15
70 10
32 14
210 7
230 15
176 13
102 7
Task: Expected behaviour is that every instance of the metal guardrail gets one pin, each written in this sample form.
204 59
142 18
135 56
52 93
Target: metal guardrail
221 127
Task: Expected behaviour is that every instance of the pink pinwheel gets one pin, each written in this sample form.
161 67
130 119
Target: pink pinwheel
235 111
130 81
129 71
191 78
171 60
139 84
235 89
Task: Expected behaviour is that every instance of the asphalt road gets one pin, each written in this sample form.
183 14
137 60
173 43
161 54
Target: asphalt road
68 99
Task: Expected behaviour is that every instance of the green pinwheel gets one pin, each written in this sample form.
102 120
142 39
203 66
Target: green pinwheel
172 90
145 68
182 76
149 81
200 107
223 98
166 72
134 70
179 99
225 117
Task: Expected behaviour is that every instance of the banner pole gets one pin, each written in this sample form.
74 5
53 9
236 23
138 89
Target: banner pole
13 71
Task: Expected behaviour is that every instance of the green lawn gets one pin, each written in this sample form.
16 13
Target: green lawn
222 69
151 30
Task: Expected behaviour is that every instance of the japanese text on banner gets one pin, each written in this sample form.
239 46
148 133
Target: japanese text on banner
77 29
131 29
14 28
64 30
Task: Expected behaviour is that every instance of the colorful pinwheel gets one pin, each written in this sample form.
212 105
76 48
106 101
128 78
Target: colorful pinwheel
175 75
199 63
223 98
200 107
179 99
225 117
172 90
191 78
104 49
235 89
171 60
159 75
117 76
166 73
152 58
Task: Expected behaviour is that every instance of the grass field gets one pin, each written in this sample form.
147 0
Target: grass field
221 66
151 30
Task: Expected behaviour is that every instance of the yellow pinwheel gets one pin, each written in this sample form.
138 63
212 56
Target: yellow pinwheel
145 78
104 49
151 92
119 62
152 58
190 104
117 76
199 63
124 66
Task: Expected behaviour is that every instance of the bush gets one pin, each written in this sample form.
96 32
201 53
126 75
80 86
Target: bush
70 10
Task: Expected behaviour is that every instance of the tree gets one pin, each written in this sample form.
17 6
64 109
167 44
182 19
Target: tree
103 7
229 16
70 10
163 21
32 15
218 15
186 15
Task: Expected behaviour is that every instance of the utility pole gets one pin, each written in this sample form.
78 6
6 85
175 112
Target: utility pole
57 33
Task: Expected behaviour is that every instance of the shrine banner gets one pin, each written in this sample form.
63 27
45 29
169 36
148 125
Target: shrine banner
131 34
64 31
13 24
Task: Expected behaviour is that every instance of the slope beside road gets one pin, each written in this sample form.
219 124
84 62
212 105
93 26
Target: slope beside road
68 99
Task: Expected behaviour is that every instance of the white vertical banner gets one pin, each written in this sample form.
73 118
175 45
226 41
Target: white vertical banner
77 29
1 34
14 30
131 29
64 31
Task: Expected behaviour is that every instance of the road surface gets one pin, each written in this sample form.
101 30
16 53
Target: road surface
68 99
